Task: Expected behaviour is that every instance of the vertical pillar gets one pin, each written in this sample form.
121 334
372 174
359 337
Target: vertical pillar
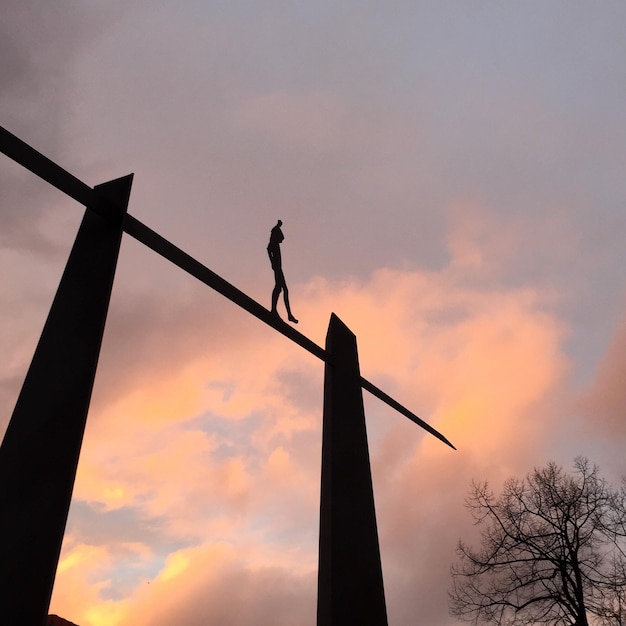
40 450
350 581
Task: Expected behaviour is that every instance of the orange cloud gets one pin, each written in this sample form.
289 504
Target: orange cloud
236 591
83 574
228 446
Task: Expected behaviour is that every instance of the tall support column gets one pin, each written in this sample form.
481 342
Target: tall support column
40 450
350 581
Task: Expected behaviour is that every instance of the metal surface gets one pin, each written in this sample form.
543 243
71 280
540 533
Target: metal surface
40 450
350 580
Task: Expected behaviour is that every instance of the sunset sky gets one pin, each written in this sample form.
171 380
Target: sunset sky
451 180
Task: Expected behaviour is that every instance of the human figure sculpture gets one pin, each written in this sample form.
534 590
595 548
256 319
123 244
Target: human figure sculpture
273 250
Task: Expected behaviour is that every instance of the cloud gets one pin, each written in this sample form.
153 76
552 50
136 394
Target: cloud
82 579
279 116
366 134
235 589
40 46
220 450
603 403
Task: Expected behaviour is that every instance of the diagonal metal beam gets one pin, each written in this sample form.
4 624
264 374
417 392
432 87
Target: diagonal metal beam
49 171
394 404
43 167
187 263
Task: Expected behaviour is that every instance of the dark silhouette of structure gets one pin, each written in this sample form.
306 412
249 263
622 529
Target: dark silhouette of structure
350 579
40 450
39 454
273 250
55 620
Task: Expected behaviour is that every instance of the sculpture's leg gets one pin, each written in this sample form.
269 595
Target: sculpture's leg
40 450
350 582
275 294
290 315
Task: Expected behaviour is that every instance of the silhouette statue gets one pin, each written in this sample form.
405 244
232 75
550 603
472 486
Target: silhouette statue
273 250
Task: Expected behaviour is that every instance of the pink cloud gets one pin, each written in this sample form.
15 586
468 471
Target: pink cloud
478 362
604 402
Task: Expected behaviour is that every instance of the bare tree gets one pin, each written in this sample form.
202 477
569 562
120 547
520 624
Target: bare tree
551 552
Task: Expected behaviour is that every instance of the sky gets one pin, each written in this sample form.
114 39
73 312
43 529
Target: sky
450 177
